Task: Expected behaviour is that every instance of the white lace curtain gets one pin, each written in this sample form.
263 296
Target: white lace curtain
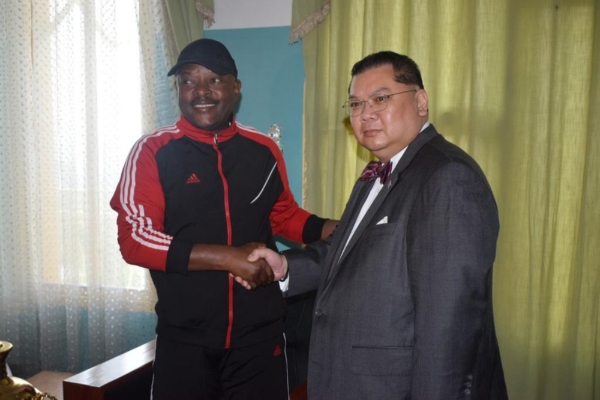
80 80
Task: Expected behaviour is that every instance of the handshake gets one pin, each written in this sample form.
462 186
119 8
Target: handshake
253 265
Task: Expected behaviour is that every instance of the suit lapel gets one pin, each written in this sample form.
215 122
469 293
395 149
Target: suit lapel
335 261
357 198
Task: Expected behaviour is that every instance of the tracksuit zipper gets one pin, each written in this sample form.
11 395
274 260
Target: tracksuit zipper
229 239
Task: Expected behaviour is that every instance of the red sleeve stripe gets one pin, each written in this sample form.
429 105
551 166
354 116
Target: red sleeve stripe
251 129
142 230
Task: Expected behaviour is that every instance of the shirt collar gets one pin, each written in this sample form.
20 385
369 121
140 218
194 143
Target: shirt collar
201 135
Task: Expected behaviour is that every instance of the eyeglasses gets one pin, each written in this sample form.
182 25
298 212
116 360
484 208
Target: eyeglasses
378 102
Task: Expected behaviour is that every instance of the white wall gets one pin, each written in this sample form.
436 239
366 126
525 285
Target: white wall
236 14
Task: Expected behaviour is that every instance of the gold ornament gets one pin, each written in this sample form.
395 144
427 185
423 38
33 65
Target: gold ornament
13 388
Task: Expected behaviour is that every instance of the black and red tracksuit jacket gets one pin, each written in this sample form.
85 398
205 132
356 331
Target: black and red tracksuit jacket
181 186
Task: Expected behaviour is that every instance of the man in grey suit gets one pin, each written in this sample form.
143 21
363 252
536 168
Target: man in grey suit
404 303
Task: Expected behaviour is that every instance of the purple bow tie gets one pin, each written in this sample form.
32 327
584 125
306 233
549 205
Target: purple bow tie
377 169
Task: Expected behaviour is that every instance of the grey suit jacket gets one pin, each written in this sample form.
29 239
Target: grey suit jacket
406 311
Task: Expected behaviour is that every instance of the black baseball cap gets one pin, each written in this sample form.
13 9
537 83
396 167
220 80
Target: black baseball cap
209 53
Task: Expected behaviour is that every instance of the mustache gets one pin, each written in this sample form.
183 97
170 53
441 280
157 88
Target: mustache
203 100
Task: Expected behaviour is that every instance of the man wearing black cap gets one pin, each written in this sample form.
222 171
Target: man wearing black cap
194 199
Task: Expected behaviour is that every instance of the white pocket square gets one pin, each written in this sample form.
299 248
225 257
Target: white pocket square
383 221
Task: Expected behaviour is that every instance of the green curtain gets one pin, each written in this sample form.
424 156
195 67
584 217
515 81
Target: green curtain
516 84
187 19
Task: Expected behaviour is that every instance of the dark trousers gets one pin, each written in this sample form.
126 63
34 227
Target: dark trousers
184 371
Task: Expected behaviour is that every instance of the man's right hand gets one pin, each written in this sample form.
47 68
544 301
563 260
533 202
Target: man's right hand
206 257
255 273
276 261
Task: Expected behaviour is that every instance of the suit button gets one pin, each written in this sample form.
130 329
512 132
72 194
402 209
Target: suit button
318 313
467 391
470 377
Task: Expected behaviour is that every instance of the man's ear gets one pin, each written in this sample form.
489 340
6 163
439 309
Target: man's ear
422 102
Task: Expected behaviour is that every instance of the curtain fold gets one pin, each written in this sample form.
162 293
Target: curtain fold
187 18
306 15
516 85
76 91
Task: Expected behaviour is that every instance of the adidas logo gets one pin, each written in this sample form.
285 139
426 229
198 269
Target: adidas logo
192 179
277 351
